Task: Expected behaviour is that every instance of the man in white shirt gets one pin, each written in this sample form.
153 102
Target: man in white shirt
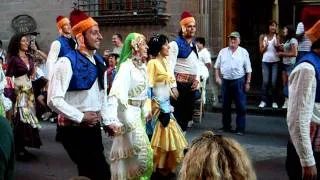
62 45
205 65
303 116
184 62
233 73
117 43
76 93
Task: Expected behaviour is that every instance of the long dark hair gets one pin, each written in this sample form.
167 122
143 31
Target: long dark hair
290 34
270 22
155 44
14 44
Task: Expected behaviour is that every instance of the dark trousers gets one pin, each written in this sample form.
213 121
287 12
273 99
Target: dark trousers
183 106
234 90
84 147
293 165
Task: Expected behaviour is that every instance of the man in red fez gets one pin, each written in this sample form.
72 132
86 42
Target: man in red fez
76 92
183 56
303 117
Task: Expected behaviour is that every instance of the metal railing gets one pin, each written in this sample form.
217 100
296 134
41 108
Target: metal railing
125 11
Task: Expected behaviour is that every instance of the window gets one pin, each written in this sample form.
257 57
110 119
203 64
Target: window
125 12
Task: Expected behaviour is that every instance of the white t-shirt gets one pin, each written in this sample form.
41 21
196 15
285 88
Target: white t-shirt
305 43
270 55
204 58
287 48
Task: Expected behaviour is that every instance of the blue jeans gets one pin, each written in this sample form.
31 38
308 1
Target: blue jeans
267 70
234 90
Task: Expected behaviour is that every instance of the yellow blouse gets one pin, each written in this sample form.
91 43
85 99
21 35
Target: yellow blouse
159 72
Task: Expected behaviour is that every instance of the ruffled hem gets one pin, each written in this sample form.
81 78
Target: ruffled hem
136 157
167 160
170 138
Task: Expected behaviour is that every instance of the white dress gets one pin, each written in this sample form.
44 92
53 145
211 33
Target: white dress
131 153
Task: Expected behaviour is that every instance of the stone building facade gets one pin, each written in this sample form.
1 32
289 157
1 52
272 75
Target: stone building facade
208 13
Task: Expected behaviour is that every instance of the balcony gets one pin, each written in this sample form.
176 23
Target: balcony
126 12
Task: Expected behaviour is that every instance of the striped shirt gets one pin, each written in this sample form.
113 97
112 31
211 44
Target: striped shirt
305 43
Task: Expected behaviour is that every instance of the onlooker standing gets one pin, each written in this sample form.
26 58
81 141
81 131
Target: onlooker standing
289 55
303 117
6 150
111 70
268 44
205 64
304 42
233 72
183 59
3 54
117 43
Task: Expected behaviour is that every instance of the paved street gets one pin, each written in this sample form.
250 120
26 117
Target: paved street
265 142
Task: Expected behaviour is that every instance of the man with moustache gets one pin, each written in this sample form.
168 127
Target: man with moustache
62 45
76 92
183 58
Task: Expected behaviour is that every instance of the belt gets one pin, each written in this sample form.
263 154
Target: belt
185 78
137 103
64 121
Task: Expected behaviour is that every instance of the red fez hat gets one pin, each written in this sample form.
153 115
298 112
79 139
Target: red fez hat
186 18
80 22
309 16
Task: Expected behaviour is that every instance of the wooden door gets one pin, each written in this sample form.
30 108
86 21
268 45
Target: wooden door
231 18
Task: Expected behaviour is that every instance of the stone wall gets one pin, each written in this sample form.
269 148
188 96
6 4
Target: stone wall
44 12
208 13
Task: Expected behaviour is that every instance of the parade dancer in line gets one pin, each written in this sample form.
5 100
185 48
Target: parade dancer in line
184 62
128 107
303 117
76 92
21 67
168 141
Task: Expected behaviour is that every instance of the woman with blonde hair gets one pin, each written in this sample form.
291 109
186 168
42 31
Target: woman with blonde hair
216 157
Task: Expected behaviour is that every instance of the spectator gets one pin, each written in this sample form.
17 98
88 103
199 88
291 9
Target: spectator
268 44
6 150
112 69
117 43
303 151
288 55
304 44
205 64
3 54
233 73
216 157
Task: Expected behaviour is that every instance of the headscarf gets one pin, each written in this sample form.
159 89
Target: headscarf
131 44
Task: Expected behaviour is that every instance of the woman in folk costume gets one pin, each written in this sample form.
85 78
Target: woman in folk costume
21 67
168 141
128 109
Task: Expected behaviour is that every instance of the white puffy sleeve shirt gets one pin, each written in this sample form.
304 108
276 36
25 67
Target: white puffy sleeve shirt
189 65
72 104
52 57
302 109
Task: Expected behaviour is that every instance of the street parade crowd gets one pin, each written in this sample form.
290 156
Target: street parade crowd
143 93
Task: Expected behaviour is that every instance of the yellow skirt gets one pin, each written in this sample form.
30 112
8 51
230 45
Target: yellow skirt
168 145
